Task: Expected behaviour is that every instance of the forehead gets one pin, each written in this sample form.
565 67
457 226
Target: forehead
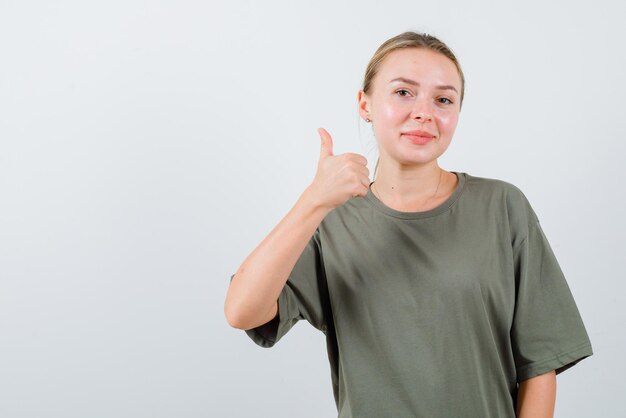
419 64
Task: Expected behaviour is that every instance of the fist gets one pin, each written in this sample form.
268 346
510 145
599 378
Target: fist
338 177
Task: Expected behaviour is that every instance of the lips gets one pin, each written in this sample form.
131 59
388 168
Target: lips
423 134
418 137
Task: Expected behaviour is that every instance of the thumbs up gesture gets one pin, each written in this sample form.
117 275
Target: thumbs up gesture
338 177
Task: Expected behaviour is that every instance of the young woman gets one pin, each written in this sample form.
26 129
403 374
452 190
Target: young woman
437 291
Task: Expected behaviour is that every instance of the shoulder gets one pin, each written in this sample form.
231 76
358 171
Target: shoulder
512 201
510 193
492 185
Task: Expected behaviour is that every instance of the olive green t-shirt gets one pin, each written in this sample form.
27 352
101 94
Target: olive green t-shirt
437 313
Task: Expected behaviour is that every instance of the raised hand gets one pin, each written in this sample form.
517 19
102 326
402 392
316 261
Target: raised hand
338 177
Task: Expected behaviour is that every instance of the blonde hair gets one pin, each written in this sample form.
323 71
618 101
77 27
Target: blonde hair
409 40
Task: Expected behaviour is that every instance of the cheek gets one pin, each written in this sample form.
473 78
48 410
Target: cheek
391 111
448 120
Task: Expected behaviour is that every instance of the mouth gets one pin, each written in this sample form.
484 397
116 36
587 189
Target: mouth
418 137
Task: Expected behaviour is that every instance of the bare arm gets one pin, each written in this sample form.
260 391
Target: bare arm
536 396
253 293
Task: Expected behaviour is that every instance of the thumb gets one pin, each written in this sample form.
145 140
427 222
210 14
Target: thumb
327 143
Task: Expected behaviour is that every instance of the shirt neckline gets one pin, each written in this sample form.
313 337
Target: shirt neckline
380 206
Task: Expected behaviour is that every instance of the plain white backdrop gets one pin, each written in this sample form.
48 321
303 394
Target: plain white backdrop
146 147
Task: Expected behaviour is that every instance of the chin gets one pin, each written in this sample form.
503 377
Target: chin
412 161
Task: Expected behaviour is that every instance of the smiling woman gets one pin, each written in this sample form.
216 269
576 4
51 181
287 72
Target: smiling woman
413 102
437 291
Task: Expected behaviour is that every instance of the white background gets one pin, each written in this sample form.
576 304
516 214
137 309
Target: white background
146 147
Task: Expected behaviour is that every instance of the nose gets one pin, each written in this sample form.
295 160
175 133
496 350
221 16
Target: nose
421 111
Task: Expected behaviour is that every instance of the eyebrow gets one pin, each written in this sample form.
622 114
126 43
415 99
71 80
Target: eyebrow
415 83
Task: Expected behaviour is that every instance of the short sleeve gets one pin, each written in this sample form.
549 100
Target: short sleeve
304 296
547 331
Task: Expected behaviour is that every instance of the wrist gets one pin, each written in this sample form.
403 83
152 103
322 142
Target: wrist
312 203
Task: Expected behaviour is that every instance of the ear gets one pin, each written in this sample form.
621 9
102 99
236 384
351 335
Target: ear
364 105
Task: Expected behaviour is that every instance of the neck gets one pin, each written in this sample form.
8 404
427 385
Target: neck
399 185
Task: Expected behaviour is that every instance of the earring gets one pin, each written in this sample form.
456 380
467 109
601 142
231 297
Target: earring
367 120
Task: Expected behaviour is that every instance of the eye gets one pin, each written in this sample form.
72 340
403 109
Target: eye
402 92
445 98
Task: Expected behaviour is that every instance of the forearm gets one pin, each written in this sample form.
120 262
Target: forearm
255 288
536 396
